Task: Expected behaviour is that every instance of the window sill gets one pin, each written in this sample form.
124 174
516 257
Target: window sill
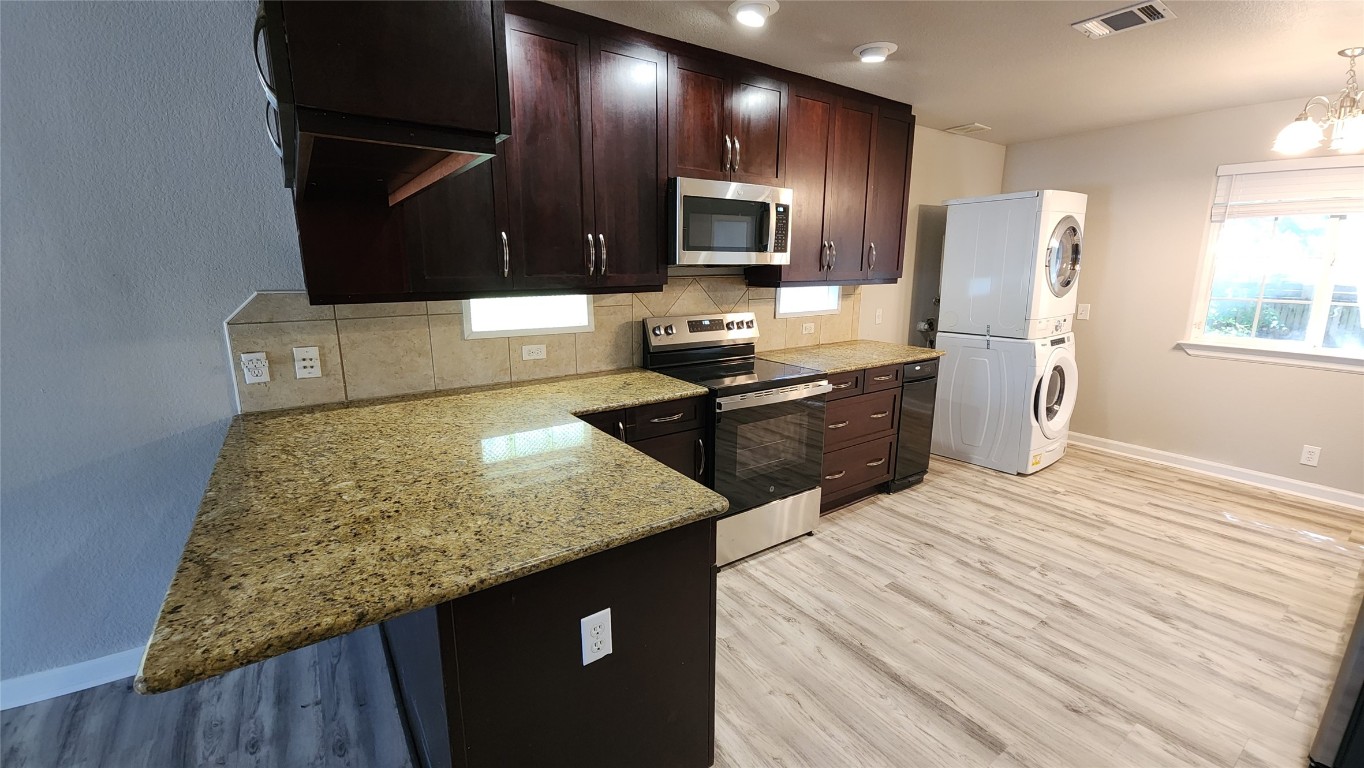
1318 359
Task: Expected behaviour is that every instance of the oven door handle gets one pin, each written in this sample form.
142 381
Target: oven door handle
771 396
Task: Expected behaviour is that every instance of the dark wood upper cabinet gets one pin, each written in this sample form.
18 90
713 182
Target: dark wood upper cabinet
468 253
726 125
888 200
811 118
845 201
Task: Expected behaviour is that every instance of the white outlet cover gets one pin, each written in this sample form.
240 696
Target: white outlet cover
878 315
255 368
1311 454
307 363
596 635
533 352
807 328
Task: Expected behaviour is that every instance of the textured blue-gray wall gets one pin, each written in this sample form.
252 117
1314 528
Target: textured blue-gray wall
140 204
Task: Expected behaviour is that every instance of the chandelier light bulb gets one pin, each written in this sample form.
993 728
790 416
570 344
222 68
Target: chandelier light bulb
1342 116
1298 136
1348 134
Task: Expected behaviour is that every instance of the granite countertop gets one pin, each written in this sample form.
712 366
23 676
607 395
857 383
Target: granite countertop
319 521
845 356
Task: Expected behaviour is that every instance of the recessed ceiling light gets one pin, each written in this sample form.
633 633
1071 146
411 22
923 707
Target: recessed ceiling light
875 53
753 13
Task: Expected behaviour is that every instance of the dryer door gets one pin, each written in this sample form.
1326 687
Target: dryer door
1054 400
1063 256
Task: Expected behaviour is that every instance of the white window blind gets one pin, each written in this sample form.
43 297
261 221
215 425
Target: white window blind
1287 188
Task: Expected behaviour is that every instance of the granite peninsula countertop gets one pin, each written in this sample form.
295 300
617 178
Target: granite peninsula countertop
845 356
323 520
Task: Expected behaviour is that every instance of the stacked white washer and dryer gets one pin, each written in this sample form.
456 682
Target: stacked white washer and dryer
1007 385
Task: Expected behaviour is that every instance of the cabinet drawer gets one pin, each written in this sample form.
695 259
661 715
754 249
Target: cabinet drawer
845 385
885 377
860 418
646 421
859 465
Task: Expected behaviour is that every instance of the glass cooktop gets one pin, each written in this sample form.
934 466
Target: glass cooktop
739 376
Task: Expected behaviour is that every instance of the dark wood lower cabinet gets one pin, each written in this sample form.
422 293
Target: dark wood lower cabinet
496 678
861 422
683 451
670 432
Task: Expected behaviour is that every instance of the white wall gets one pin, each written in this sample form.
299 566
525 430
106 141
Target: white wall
141 204
945 166
1149 187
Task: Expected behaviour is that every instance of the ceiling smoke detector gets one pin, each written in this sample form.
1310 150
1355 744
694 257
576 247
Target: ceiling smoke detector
968 129
1123 19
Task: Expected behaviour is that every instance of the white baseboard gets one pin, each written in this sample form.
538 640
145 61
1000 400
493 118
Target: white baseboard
51 683
1226 471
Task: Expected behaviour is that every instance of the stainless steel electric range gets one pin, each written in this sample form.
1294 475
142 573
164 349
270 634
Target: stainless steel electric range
765 429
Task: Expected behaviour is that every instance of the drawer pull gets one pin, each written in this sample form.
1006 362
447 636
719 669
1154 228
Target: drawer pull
836 475
845 384
839 425
887 377
876 463
665 419
620 429
880 415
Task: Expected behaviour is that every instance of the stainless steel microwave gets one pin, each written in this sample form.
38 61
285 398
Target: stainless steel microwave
718 223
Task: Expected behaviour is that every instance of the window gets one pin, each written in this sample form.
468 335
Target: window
526 316
1285 260
811 300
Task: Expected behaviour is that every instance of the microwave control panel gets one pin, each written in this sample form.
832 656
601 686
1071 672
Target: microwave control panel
783 228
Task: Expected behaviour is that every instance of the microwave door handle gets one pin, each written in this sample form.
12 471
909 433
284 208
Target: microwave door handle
766 225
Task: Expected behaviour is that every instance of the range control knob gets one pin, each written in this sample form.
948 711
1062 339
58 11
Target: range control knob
669 330
748 323
658 330
729 326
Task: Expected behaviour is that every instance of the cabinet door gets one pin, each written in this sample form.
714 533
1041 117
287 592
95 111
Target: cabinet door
629 162
811 117
549 160
758 130
845 209
353 250
610 422
457 233
889 197
683 451
699 115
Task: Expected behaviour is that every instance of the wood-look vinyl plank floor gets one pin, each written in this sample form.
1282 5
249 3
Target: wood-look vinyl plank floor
1103 613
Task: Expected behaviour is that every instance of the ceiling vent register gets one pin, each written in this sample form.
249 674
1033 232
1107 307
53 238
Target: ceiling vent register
1123 19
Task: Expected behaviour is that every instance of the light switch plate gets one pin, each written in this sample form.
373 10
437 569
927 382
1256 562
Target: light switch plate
307 363
255 368
1082 312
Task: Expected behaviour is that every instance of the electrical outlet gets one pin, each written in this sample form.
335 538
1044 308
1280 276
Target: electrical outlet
255 368
1082 312
533 352
878 315
1311 454
596 633
307 363
807 328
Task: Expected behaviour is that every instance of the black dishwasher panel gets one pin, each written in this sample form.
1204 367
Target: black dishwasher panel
916 423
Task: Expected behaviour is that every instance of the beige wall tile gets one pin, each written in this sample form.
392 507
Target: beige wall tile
762 293
694 301
390 309
838 327
613 299
771 331
277 341
661 303
794 337
641 311
280 307
724 291
611 345
560 357
386 356
460 362
444 307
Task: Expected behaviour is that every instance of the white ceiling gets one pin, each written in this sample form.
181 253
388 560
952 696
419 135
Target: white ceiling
1017 66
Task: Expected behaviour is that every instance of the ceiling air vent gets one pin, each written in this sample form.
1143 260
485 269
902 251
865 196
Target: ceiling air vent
1123 19
969 128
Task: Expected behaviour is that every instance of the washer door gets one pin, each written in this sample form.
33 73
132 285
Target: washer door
1054 400
1063 256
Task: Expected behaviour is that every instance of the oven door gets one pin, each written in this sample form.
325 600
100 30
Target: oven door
718 223
768 451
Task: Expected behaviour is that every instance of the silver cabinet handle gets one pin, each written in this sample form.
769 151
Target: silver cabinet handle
729 150
735 167
506 256
836 475
665 419
880 415
839 425
701 447
871 261
887 377
591 254
256 34
833 254
620 429
601 239
824 256
844 385
277 133
876 463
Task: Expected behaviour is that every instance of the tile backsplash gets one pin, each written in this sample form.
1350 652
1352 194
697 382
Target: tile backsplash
376 350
